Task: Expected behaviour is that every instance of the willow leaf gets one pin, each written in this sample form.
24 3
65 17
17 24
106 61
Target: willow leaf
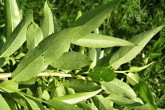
71 61
119 88
12 16
47 24
4 105
126 54
53 46
17 37
75 98
37 60
34 36
101 41
142 88
59 105
93 19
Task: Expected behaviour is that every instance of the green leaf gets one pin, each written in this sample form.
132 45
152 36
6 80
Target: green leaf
142 88
100 41
102 103
5 86
2 61
34 104
53 46
128 102
3 104
47 24
12 16
37 60
17 37
102 74
126 54
137 69
59 105
99 14
71 61
119 88
75 98
34 36
81 85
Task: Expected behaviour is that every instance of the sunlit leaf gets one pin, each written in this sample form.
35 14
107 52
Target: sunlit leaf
34 104
47 24
17 37
34 36
128 102
71 61
137 69
75 98
3 104
12 16
102 103
101 41
99 14
102 74
53 46
126 54
59 105
119 88
142 88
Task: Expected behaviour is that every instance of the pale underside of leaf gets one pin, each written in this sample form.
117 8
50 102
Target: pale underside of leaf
126 54
12 16
49 50
120 88
47 24
101 41
75 98
34 36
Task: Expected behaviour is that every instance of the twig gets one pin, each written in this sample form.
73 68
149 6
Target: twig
58 74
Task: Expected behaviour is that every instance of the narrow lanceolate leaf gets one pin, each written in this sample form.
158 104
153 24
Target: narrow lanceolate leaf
142 89
126 54
75 98
102 103
37 60
101 41
3 104
137 69
17 37
128 102
34 104
53 46
59 105
93 19
12 16
119 88
47 24
81 85
34 36
71 61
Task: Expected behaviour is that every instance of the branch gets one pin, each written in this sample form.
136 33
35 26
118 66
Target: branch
58 74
